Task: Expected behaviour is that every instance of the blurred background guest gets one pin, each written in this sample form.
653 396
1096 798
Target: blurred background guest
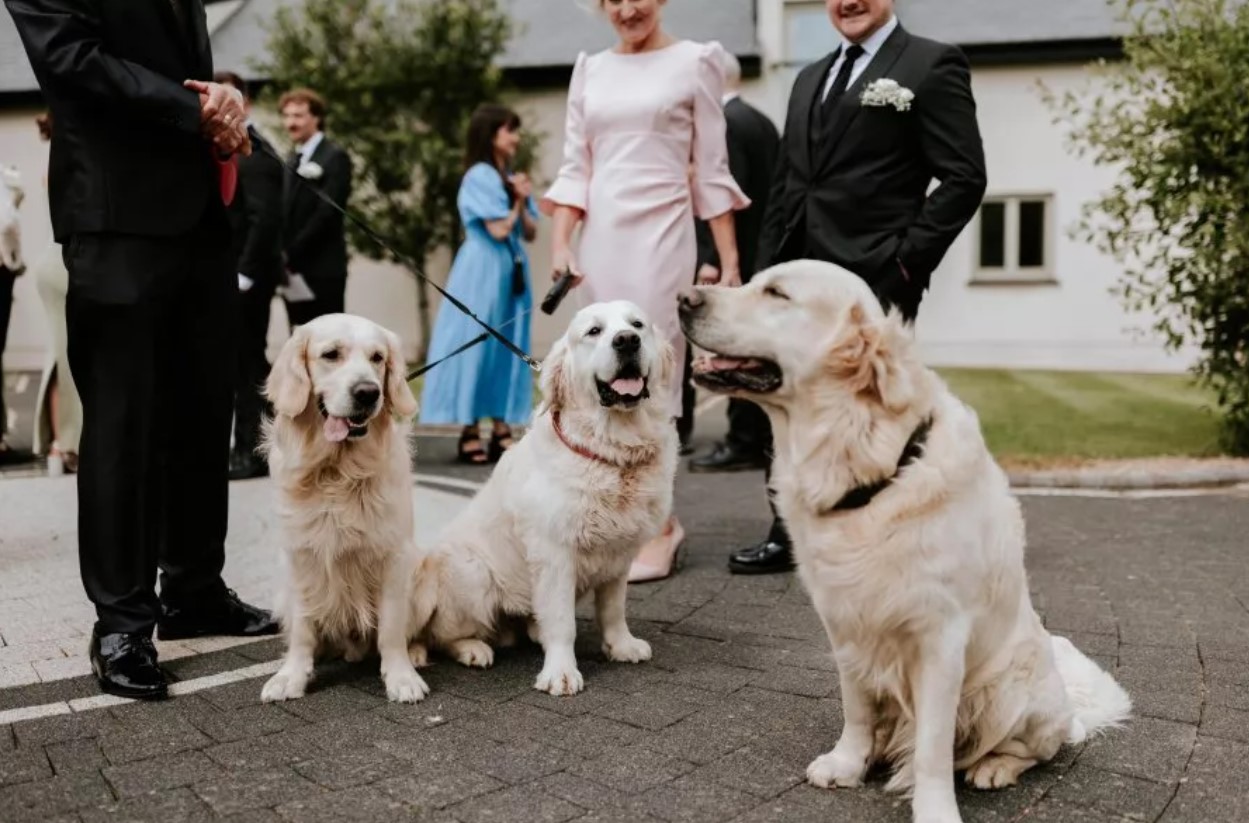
637 114
490 275
256 222
754 144
58 414
315 237
11 266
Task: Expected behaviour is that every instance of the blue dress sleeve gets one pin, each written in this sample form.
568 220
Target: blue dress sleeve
482 196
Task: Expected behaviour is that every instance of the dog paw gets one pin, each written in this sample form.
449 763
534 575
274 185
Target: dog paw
418 655
630 650
473 653
405 686
283 686
561 682
835 769
996 771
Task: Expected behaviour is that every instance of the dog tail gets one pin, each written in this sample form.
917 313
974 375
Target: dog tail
1098 701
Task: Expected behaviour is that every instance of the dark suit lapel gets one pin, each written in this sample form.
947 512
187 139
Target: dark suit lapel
180 34
807 98
849 107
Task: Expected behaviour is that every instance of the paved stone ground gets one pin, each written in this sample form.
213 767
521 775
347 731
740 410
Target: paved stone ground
720 726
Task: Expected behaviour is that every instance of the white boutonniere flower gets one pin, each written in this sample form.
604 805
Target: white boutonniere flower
886 92
310 170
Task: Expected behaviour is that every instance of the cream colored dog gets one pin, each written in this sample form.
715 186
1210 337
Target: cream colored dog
339 451
566 508
907 538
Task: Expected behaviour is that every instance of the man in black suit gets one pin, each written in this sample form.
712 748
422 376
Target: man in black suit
256 218
858 155
753 148
315 235
137 196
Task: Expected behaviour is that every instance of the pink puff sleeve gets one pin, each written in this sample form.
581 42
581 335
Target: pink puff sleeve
715 190
572 184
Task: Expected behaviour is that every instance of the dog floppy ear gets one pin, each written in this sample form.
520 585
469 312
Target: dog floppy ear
555 380
867 358
289 383
398 393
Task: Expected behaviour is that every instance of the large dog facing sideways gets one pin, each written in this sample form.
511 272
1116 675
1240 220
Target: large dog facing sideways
340 454
566 508
907 538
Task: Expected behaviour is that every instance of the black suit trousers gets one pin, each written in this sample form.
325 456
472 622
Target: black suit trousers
7 280
151 347
253 366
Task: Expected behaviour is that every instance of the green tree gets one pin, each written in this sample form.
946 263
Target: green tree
1173 119
401 78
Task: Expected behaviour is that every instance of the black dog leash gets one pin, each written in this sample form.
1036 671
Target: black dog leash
489 331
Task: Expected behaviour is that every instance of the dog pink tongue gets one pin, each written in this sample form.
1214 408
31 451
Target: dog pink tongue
336 429
631 387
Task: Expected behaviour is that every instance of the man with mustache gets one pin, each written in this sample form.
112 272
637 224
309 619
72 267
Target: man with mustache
869 127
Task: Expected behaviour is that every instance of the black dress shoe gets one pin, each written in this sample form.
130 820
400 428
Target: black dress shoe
768 557
125 665
223 614
246 466
728 458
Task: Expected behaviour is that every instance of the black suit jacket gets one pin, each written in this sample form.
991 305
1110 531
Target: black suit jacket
855 193
315 234
127 155
753 144
256 215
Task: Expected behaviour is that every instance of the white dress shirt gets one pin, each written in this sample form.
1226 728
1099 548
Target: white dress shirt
306 150
870 47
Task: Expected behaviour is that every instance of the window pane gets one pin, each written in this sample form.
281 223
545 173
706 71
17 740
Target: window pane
992 235
808 33
1031 234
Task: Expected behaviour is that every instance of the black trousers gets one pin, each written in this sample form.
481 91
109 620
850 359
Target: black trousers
253 366
151 347
330 299
7 279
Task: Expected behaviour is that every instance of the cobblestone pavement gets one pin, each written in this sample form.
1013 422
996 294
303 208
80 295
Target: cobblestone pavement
719 726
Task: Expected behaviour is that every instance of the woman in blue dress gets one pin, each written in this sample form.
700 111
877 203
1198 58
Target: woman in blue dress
490 275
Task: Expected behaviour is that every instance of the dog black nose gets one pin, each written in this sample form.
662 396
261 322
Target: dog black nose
690 299
626 342
366 394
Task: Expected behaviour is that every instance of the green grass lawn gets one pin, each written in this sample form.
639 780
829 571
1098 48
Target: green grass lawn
1039 417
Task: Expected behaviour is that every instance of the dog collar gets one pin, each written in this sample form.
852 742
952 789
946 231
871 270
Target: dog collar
860 496
583 451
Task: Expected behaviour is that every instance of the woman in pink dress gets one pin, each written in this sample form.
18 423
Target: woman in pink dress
644 154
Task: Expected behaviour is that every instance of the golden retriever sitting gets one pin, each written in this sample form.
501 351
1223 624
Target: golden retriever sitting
906 536
340 454
566 508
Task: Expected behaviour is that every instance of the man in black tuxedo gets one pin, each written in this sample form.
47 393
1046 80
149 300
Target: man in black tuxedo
138 203
753 148
256 218
315 235
851 184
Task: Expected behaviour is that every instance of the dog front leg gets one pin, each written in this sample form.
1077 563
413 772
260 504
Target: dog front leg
938 685
554 606
291 680
394 613
847 764
619 644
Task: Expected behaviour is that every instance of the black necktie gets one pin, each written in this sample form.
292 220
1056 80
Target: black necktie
841 82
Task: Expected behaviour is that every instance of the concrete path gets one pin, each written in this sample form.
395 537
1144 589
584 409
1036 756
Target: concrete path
719 726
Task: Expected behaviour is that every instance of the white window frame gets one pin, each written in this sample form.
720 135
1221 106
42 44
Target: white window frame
1012 272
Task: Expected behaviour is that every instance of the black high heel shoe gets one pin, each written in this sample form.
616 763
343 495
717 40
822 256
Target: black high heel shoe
475 456
496 443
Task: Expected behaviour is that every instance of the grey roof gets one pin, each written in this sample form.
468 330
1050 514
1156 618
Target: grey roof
551 32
